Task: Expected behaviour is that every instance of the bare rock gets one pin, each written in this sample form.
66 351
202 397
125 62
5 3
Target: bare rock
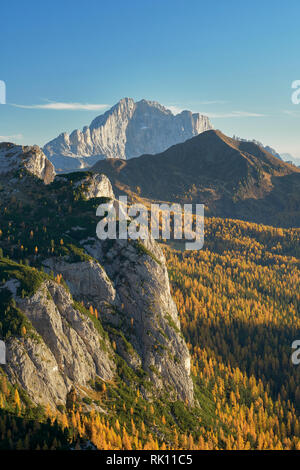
67 350
15 157
127 130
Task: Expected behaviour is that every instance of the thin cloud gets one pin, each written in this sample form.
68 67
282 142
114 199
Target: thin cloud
291 113
11 137
61 106
234 114
175 109
178 109
231 114
213 102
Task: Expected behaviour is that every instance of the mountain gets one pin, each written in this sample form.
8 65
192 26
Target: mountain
127 130
273 152
96 355
265 147
75 310
16 158
287 157
232 178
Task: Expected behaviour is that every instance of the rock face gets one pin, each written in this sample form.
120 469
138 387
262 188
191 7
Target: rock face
15 157
127 130
68 349
97 185
129 286
148 314
91 185
125 280
131 290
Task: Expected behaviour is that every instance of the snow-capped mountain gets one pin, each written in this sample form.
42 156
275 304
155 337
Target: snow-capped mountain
127 130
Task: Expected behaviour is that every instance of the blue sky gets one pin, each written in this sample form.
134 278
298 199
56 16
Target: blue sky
232 60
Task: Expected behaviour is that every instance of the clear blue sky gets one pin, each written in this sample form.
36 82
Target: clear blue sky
232 60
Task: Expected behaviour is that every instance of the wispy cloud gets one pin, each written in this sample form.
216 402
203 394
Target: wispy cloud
230 114
174 109
291 113
61 106
11 137
233 114
212 102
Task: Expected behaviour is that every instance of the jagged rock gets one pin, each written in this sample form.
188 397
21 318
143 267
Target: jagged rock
133 281
97 185
15 157
149 315
69 349
128 284
127 130
31 364
87 280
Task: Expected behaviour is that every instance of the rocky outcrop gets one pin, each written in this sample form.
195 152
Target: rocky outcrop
89 185
86 280
17 157
67 349
129 286
127 130
96 185
126 281
148 314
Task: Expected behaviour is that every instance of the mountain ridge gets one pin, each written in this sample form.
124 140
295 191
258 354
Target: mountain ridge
127 130
234 179
74 308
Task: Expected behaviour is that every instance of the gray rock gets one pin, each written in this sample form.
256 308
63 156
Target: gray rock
15 157
127 130
131 291
97 185
149 316
68 349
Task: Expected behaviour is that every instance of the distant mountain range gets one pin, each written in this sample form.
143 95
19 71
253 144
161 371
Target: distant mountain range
260 144
286 157
127 130
233 178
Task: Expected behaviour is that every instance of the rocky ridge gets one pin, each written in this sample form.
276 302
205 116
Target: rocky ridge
125 281
31 158
127 130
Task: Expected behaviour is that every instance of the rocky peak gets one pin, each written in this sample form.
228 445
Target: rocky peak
66 349
129 285
66 343
15 157
127 130
92 185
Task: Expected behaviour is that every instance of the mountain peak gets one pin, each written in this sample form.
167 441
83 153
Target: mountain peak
31 158
233 179
127 130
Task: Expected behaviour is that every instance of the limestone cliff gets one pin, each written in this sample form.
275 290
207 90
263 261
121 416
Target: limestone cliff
63 343
129 285
30 158
129 129
67 349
